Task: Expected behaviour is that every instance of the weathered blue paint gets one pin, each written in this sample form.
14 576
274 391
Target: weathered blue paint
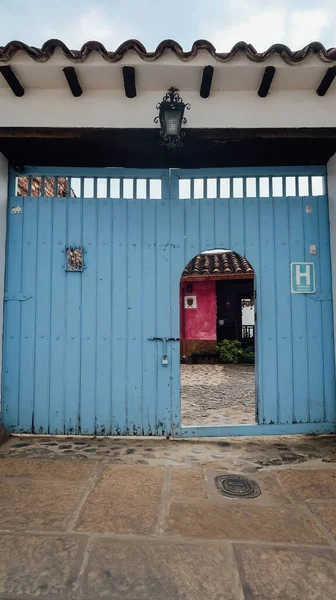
77 353
252 430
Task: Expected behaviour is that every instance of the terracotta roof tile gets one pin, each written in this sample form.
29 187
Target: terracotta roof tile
224 263
46 52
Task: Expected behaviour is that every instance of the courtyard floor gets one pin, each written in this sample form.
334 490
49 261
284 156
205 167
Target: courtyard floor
142 519
217 394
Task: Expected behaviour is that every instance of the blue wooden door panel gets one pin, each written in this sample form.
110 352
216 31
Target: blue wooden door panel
73 322
119 318
283 312
43 317
149 322
103 394
163 316
28 315
267 314
299 316
58 317
134 323
78 357
314 316
88 317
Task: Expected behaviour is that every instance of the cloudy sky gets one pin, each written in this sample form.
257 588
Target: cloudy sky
223 22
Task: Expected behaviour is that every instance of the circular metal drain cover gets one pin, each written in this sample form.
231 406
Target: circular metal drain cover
237 486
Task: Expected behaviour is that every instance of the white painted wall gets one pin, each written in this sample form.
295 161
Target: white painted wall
110 108
233 103
3 223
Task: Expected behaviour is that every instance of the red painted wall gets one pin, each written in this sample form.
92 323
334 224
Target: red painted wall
199 323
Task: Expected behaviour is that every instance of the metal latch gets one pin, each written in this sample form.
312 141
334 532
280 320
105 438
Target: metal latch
164 340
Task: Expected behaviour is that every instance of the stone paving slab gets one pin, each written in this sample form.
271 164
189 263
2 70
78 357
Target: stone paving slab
287 574
37 505
60 470
326 512
148 570
125 500
237 522
187 483
309 485
34 566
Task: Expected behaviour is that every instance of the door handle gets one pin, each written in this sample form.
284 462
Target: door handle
164 340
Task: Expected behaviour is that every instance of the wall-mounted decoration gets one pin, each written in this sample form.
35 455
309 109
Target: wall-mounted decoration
190 302
74 259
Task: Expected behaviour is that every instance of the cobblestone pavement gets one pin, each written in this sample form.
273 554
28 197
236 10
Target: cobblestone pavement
142 519
217 394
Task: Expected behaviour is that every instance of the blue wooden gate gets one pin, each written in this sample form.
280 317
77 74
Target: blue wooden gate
79 354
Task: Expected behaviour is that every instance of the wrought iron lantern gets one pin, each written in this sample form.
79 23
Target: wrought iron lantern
171 118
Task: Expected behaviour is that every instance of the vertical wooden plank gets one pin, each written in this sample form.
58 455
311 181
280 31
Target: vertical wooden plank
177 267
222 223
207 224
314 316
192 229
267 311
237 226
163 421
88 281
104 318
251 216
72 422
327 311
58 315
28 308
283 311
119 317
150 348
43 299
134 317
299 316
252 254
10 385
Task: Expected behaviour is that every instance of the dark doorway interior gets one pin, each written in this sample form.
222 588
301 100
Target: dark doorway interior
232 298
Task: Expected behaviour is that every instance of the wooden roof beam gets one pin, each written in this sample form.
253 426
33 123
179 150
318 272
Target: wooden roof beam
12 81
206 81
129 82
73 82
266 82
326 81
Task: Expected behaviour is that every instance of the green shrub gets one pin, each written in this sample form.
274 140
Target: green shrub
230 351
249 357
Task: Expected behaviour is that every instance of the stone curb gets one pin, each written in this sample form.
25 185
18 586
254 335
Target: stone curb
3 435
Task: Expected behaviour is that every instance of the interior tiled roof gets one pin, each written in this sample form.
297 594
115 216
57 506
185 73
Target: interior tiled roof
46 52
36 186
225 263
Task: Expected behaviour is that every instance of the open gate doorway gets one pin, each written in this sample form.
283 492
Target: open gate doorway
218 331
